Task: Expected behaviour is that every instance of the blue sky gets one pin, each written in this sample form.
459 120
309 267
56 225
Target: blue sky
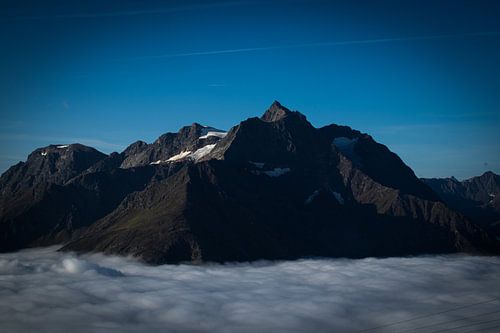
422 77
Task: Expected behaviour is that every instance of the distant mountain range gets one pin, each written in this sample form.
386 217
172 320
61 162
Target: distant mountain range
273 187
478 198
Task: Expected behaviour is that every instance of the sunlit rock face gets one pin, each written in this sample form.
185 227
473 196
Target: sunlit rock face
273 187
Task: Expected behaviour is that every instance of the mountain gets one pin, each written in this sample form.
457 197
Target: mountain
191 141
273 187
478 198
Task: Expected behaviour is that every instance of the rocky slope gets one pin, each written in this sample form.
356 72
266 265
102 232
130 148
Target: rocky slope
171 147
273 187
478 198
28 184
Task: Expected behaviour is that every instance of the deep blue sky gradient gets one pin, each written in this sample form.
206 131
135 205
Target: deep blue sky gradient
422 77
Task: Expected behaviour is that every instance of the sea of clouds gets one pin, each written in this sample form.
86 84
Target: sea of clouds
42 290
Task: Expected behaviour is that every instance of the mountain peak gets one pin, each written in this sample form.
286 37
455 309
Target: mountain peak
488 174
277 112
283 180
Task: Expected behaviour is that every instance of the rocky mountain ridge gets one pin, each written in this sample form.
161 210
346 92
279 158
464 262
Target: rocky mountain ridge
273 187
478 198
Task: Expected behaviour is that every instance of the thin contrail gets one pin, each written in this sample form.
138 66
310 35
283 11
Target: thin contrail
319 44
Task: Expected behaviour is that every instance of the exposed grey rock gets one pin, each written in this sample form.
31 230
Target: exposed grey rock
273 187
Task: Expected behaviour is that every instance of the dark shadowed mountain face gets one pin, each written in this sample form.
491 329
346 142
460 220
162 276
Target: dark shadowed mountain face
273 187
54 164
478 198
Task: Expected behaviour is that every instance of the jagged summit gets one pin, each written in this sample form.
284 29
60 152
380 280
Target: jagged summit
273 187
193 141
278 112
478 197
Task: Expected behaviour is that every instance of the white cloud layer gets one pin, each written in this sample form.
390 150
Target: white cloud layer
42 290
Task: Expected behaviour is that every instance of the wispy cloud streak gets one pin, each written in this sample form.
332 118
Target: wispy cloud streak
322 44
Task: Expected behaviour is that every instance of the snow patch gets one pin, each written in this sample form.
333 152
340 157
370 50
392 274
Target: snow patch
213 133
492 196
208 131
311 197
276 172
346 146
198 154
195 156
62 146
179 156
259 165
43 153
339 197
343 142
